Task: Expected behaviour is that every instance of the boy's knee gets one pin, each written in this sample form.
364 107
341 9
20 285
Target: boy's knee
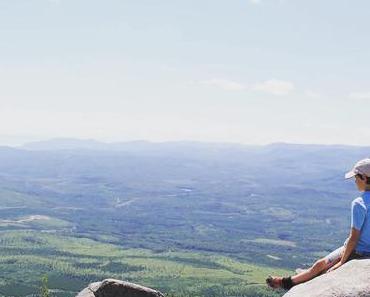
320 265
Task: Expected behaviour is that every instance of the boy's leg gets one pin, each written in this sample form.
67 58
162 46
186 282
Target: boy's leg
318 267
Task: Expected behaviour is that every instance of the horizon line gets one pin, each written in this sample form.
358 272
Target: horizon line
81 140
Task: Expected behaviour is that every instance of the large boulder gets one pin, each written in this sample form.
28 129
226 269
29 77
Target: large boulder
350 280
117 288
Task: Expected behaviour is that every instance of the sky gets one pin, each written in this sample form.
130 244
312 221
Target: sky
244 71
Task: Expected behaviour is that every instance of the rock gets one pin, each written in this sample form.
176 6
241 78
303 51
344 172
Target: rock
350 280
117 288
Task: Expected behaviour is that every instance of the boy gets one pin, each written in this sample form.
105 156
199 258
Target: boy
356 246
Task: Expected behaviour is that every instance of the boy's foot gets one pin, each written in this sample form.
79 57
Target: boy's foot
274 282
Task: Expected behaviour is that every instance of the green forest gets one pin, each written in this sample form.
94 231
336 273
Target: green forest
70 264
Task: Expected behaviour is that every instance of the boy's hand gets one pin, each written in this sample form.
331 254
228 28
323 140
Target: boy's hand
339 264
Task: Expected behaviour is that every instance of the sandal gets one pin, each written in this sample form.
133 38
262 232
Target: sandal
285 283
274 282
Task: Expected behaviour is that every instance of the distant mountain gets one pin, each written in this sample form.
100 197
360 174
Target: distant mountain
66 144
279 160
137 145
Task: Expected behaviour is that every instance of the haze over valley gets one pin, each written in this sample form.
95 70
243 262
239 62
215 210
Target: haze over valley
278 206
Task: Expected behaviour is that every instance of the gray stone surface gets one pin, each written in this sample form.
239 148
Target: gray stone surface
350 280
117 288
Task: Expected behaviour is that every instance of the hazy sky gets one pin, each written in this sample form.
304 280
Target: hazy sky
251 71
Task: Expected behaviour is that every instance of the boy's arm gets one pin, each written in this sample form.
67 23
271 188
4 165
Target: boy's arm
358 215
351 244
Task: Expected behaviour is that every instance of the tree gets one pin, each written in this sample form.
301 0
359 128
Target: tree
44 291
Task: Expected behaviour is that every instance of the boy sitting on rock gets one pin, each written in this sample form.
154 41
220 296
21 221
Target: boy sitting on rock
356 246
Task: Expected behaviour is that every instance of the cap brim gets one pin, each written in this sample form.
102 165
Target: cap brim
349 174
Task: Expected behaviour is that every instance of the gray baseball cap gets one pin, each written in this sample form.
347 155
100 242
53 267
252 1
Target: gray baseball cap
361 167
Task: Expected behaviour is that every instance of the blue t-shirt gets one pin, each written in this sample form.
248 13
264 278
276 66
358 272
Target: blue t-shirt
360 220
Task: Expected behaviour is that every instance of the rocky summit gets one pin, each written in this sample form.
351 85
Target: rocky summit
350 280
117 288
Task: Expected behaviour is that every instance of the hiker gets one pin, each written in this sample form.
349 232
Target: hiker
357 244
